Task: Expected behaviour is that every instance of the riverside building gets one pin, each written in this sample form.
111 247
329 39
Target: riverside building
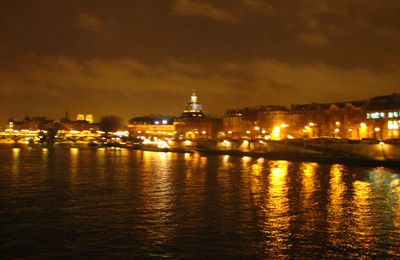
194 124
383 117
152 126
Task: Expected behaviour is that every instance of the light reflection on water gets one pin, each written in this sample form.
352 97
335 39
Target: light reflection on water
15 160
74 157
337 218
276 221
115 202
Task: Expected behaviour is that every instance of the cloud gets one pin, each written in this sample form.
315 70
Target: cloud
48 85
190 68
89 22
51 84
234 12
313 39
257 5
201 9
298 83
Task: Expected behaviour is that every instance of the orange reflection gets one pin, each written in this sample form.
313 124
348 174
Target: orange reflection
16 160
226 163
255 183
101 156
363 215
157 193
246 159
45 156
337 188
277 218
307 171
309 183
187 156
257 168
74 155
203 162
336 211
192 159
246 164
45 152
395 188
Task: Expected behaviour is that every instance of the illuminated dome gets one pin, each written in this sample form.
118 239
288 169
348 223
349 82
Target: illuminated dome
193 106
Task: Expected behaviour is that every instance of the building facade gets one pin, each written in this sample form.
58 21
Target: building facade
383 117
152 126
194 124
239 123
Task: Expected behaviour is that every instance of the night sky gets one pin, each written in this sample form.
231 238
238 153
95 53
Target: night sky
133 58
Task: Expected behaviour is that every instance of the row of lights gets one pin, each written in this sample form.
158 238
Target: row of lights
164 122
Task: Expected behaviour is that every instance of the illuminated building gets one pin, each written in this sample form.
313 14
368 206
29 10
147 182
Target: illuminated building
274 121
345 119
84 122
152 126
89 118
85 117
341 119
193 124
193 107
80 117
32 123
239 123
383 117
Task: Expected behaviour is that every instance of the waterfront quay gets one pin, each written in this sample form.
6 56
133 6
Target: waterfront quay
366 130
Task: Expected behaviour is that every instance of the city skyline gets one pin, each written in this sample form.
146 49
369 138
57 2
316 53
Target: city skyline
193 98
134 58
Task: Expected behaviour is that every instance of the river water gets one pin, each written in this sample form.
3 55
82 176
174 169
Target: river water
115 203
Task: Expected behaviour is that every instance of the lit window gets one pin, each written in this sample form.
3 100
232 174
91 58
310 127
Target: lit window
157 122
390 115
375 115
382 115
164 122
368 116
395 114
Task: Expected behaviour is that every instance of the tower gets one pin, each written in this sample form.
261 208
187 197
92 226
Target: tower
89 118
66 116
193 106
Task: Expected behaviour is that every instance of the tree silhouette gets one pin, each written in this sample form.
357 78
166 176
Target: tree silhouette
110 123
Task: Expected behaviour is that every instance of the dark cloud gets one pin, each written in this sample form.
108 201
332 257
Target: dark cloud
90 22
313 39
202 9
135 57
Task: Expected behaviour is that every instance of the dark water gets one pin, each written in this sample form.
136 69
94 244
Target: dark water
69 202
